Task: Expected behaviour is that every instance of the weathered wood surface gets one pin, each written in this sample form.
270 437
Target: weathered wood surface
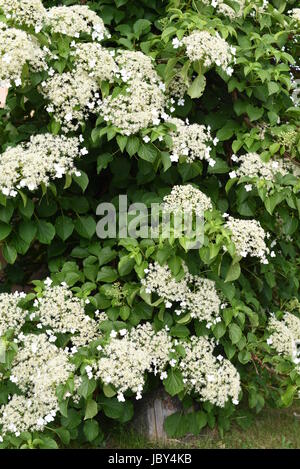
151 412
3 95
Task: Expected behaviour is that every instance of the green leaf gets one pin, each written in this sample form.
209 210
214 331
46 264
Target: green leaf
235 333
9 253
179 331
233 272
173 383
91 409
64 227
63 434
122 141
5 230
124 312
147 152
106 255
273 87
173 425
219 330
87 387
254 113
72 420
175 264
48 443
85 227
141 26
108 390
166 160
112 407
133 145
103 161
26 210
55 127
107 274
27 230
82 180
91 430
197 87
45 232
288 396
125 265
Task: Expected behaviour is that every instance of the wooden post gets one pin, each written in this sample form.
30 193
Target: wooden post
151 413
3 95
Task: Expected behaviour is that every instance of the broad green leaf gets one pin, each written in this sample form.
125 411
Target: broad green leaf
235 333
64 227
173 383
197 88
85 227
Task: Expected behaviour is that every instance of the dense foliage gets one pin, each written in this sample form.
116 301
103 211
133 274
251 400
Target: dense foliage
190 103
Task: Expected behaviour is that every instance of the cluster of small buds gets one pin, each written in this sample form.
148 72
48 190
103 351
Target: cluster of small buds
249 238
177 88
213 379
187 198
192 294
285 336
32 163
128 356
18 48
37 369
25 12
191 141
210 50
286 137
76 20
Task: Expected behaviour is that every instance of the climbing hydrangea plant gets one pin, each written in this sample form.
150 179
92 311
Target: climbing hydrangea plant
193 105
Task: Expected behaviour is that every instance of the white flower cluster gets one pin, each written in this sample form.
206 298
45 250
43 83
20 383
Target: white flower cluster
71 97
191 141
209 49
251 165
18 48
38 368
192 294
95 60
75 20
136 108
12 317
214 379
226 9
249 238
29 164
295 14
60 312
141 100
25 12
188 199
125 360
285 336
